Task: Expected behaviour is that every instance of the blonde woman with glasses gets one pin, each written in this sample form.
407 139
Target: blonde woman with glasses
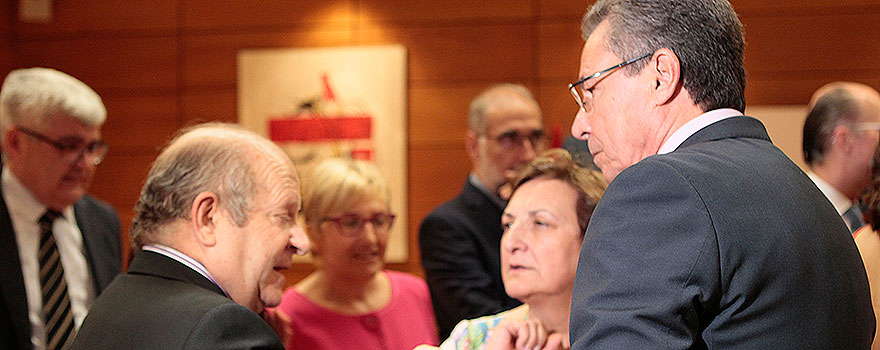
350 301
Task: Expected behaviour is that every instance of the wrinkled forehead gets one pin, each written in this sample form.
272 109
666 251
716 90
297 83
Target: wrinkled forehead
278 181
515 112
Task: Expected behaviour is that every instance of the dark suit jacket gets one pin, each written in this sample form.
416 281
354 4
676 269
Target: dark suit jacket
460 243
162 304
721 244
100 229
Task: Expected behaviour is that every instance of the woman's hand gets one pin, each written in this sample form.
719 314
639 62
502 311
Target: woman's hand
523 335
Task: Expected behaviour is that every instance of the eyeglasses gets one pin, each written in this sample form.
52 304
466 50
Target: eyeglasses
71 150
586 102
352 224
866 126
513 139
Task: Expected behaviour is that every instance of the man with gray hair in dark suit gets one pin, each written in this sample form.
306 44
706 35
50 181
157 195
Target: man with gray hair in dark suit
61 246
708 236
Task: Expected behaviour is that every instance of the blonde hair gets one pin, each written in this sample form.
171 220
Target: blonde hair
337 184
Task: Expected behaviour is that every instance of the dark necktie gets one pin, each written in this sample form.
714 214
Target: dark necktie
853 217
57 315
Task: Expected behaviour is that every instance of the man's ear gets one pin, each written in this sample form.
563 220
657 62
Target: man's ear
841 139
471 143
665 71
204 217
11 140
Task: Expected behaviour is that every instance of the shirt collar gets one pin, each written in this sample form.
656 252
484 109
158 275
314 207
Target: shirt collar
840 202
183 259
501 203
694 125
25 205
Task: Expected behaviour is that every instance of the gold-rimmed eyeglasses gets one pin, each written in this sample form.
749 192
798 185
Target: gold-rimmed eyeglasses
586 102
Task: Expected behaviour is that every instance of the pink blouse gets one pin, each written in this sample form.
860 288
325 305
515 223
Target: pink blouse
407 320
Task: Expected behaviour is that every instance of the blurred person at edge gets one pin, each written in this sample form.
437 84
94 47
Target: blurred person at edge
868 240
708 236
350 301
544 226
51 135
840 136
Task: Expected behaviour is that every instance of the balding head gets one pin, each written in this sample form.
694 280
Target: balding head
212 157
832 105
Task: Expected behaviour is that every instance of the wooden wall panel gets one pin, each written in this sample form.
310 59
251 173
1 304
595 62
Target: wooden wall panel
98 16
777 9
797 90
441 175
119 179
559 50
462 53
210 60
139 124
109 65
420 11
565 9
229 14
209 105
812 43
557 105
438 115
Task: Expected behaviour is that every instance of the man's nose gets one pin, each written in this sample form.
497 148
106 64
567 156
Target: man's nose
299 240
580 127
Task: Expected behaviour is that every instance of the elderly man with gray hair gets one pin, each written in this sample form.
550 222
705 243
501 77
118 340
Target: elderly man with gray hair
61 246
215 225
708 236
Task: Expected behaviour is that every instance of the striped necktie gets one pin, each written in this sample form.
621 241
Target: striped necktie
57 315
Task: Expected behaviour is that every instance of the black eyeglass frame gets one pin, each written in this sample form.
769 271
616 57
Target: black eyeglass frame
362 222
573 86
96 149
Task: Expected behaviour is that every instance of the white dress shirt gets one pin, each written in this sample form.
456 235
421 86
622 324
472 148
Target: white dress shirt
694 125
25 211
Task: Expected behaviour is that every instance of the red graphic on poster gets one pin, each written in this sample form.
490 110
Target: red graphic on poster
321 121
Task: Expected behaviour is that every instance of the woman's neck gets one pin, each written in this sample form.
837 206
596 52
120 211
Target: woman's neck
553 312
347 295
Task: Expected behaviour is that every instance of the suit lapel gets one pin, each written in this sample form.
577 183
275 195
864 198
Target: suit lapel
94 242
12 286
734 127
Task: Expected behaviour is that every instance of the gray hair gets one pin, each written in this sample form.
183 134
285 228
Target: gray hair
705 35
486 99
29 96
215 157
835 107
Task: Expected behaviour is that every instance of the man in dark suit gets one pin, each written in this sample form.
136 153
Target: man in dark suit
215 225
51 136
460 240
840 137
708 236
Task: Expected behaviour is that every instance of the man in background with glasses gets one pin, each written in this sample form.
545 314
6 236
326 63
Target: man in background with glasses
708 236
840 138
460 241
61 246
